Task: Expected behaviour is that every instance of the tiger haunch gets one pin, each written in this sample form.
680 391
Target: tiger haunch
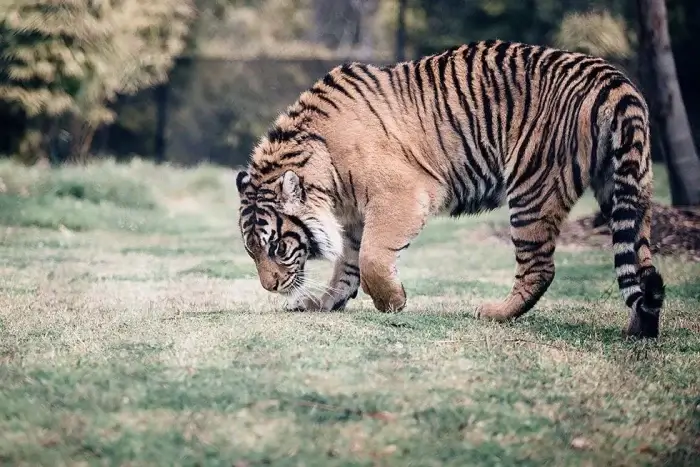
357 165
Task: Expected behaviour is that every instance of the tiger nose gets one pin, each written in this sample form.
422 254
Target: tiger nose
270 283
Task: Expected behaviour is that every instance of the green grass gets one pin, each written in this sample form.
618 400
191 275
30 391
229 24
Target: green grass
105 196
157 345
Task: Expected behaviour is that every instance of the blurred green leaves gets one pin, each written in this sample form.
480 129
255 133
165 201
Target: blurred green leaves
72 58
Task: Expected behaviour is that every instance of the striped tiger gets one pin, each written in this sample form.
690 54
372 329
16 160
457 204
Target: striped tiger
354 168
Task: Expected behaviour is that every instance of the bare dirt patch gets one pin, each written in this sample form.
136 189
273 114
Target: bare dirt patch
674 232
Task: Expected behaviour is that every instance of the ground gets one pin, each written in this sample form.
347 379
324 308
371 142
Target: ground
133 331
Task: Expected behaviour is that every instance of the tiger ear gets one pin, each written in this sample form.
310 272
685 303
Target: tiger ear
292 191
242 181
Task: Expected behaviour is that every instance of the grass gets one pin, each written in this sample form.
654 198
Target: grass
157 345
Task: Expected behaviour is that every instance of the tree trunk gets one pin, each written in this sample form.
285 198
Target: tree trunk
680 154
86 144
161 95
645 78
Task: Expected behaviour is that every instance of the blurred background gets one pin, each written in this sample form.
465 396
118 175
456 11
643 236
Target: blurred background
197 81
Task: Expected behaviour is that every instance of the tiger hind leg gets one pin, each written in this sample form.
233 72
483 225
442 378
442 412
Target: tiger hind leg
644 322
629 216
534 240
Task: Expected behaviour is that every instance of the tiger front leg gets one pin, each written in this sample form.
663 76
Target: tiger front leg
345 281
346 272
389 229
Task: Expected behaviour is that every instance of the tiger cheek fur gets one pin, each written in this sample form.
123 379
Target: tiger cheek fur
370 153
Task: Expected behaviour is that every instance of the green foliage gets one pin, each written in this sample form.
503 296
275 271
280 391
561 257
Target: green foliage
101 195
262 28
245 60
77 198
220 108
452 22
71 58
596 33
294 28
70 213
48 49
95 184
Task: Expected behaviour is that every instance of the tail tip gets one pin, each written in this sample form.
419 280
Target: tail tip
654 290
644 323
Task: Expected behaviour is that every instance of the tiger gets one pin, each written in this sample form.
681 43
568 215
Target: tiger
355 167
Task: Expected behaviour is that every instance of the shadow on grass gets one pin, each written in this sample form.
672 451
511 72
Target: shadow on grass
214 315
210 316
428 325
577 334
590 336
105 391
138 350
689 290
687 451
434 287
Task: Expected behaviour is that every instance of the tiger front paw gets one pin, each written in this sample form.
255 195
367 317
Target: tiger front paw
493 311
304 304
389 298
328 302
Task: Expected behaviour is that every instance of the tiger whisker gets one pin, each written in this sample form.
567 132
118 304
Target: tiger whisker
322 286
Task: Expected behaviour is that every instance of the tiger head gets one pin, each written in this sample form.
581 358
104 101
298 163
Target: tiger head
283 225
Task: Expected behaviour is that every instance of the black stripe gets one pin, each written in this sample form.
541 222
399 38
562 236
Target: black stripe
313 247
329 81
309 136
278 135
425 169
354 242
307 108
419 83
368 103
378 87
320 94
353 268
347 70
601 98
633 298
265 168
431 82
291 154
628 257
352 187
396 86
